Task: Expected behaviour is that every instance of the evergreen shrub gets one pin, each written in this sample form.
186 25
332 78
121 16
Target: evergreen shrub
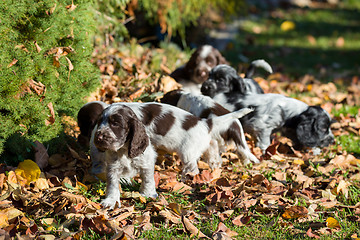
45 68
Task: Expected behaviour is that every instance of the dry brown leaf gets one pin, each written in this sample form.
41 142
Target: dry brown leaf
295 212
190 228
241 220
74 198
310 234
41 155
168 84
222 228
13 62
38 48
41 183
137 94
51 119
71 7
343 188
170 216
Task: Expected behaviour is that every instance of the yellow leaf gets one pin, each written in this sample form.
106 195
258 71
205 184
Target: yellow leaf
332 223
245 176
3 220
101 192
298 162
29 170
287 26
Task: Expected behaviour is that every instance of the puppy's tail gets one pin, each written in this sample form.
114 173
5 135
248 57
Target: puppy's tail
220 124
261 63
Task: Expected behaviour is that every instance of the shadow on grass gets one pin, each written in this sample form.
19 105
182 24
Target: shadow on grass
325 42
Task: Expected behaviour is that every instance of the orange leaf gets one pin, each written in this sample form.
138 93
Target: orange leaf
295 212
13 62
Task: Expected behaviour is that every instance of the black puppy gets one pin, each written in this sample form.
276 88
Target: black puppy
307 126
224 79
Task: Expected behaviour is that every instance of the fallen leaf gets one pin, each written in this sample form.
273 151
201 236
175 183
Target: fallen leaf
41 155
189 227
287 26
340 42
51 119
168 84
29 170
310 234
170 216
13 62
38 48
221 227
241 220
343 188
295 212
71 7
3 220
332 223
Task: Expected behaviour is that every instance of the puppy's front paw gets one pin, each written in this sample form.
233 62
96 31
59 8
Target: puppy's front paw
150 194
110 203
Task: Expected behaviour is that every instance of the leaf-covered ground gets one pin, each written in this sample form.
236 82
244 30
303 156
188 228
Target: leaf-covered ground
290 194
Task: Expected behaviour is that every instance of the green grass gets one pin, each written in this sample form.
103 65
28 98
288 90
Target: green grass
350 143
292 52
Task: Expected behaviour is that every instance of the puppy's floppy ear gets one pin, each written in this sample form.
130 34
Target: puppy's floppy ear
138 139
237 83
87 118
305 130
219 58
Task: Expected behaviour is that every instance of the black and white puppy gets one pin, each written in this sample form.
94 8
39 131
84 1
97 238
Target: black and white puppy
196 70
126 135
224 79
307 126
205 107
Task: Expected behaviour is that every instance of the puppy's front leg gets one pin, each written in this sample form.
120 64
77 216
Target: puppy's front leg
263 140
147 187
112 188
212 155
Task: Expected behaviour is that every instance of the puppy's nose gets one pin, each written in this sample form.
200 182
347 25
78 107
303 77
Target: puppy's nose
99 137
204 88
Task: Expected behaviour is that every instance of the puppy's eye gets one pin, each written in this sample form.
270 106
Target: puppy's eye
209 60
115 120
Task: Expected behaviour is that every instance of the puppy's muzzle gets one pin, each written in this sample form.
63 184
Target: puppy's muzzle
102 141
208 88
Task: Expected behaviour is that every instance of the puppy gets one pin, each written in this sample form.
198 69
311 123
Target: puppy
126 134
205 107
307 126
224 79
197 69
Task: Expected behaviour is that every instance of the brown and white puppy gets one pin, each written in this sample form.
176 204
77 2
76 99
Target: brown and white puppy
196 70
205 107
126 134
